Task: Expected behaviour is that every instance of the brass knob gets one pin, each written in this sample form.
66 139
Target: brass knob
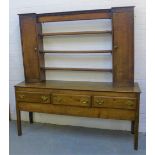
35 48
44 98
21 96
115 46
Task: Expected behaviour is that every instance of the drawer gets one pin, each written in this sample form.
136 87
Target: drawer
33 97
73 100
114 102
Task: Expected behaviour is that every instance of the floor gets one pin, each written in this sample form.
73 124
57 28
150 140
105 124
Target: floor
47 139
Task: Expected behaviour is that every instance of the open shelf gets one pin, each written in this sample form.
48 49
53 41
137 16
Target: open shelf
76 69
75 33
74 52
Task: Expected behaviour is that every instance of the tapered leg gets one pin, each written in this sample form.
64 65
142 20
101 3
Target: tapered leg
31 117
19 123
132 126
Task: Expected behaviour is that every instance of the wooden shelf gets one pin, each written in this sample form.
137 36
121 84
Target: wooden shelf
77 69
75 33
74 52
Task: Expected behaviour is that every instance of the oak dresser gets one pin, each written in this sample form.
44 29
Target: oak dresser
118 99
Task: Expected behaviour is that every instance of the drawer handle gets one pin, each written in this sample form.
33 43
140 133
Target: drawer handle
44 98
100 102
130 103
21 96
84 102
35 48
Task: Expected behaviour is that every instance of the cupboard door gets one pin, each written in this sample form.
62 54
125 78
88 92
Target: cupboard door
123 46
30 47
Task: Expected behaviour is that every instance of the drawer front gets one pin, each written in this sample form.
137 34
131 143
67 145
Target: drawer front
33 97
114 102
73 100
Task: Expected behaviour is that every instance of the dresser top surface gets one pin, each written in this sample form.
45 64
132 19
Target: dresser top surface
79 85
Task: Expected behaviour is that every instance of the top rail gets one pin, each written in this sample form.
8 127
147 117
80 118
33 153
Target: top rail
75 15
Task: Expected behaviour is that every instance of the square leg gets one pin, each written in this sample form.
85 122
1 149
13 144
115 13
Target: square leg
132 126
19 129
136 133
31 117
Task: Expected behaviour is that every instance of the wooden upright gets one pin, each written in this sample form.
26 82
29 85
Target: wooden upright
114 100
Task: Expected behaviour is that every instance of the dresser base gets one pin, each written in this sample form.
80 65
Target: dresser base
86 99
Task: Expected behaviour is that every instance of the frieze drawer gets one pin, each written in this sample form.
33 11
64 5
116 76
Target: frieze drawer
114 102
72 100
33 97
